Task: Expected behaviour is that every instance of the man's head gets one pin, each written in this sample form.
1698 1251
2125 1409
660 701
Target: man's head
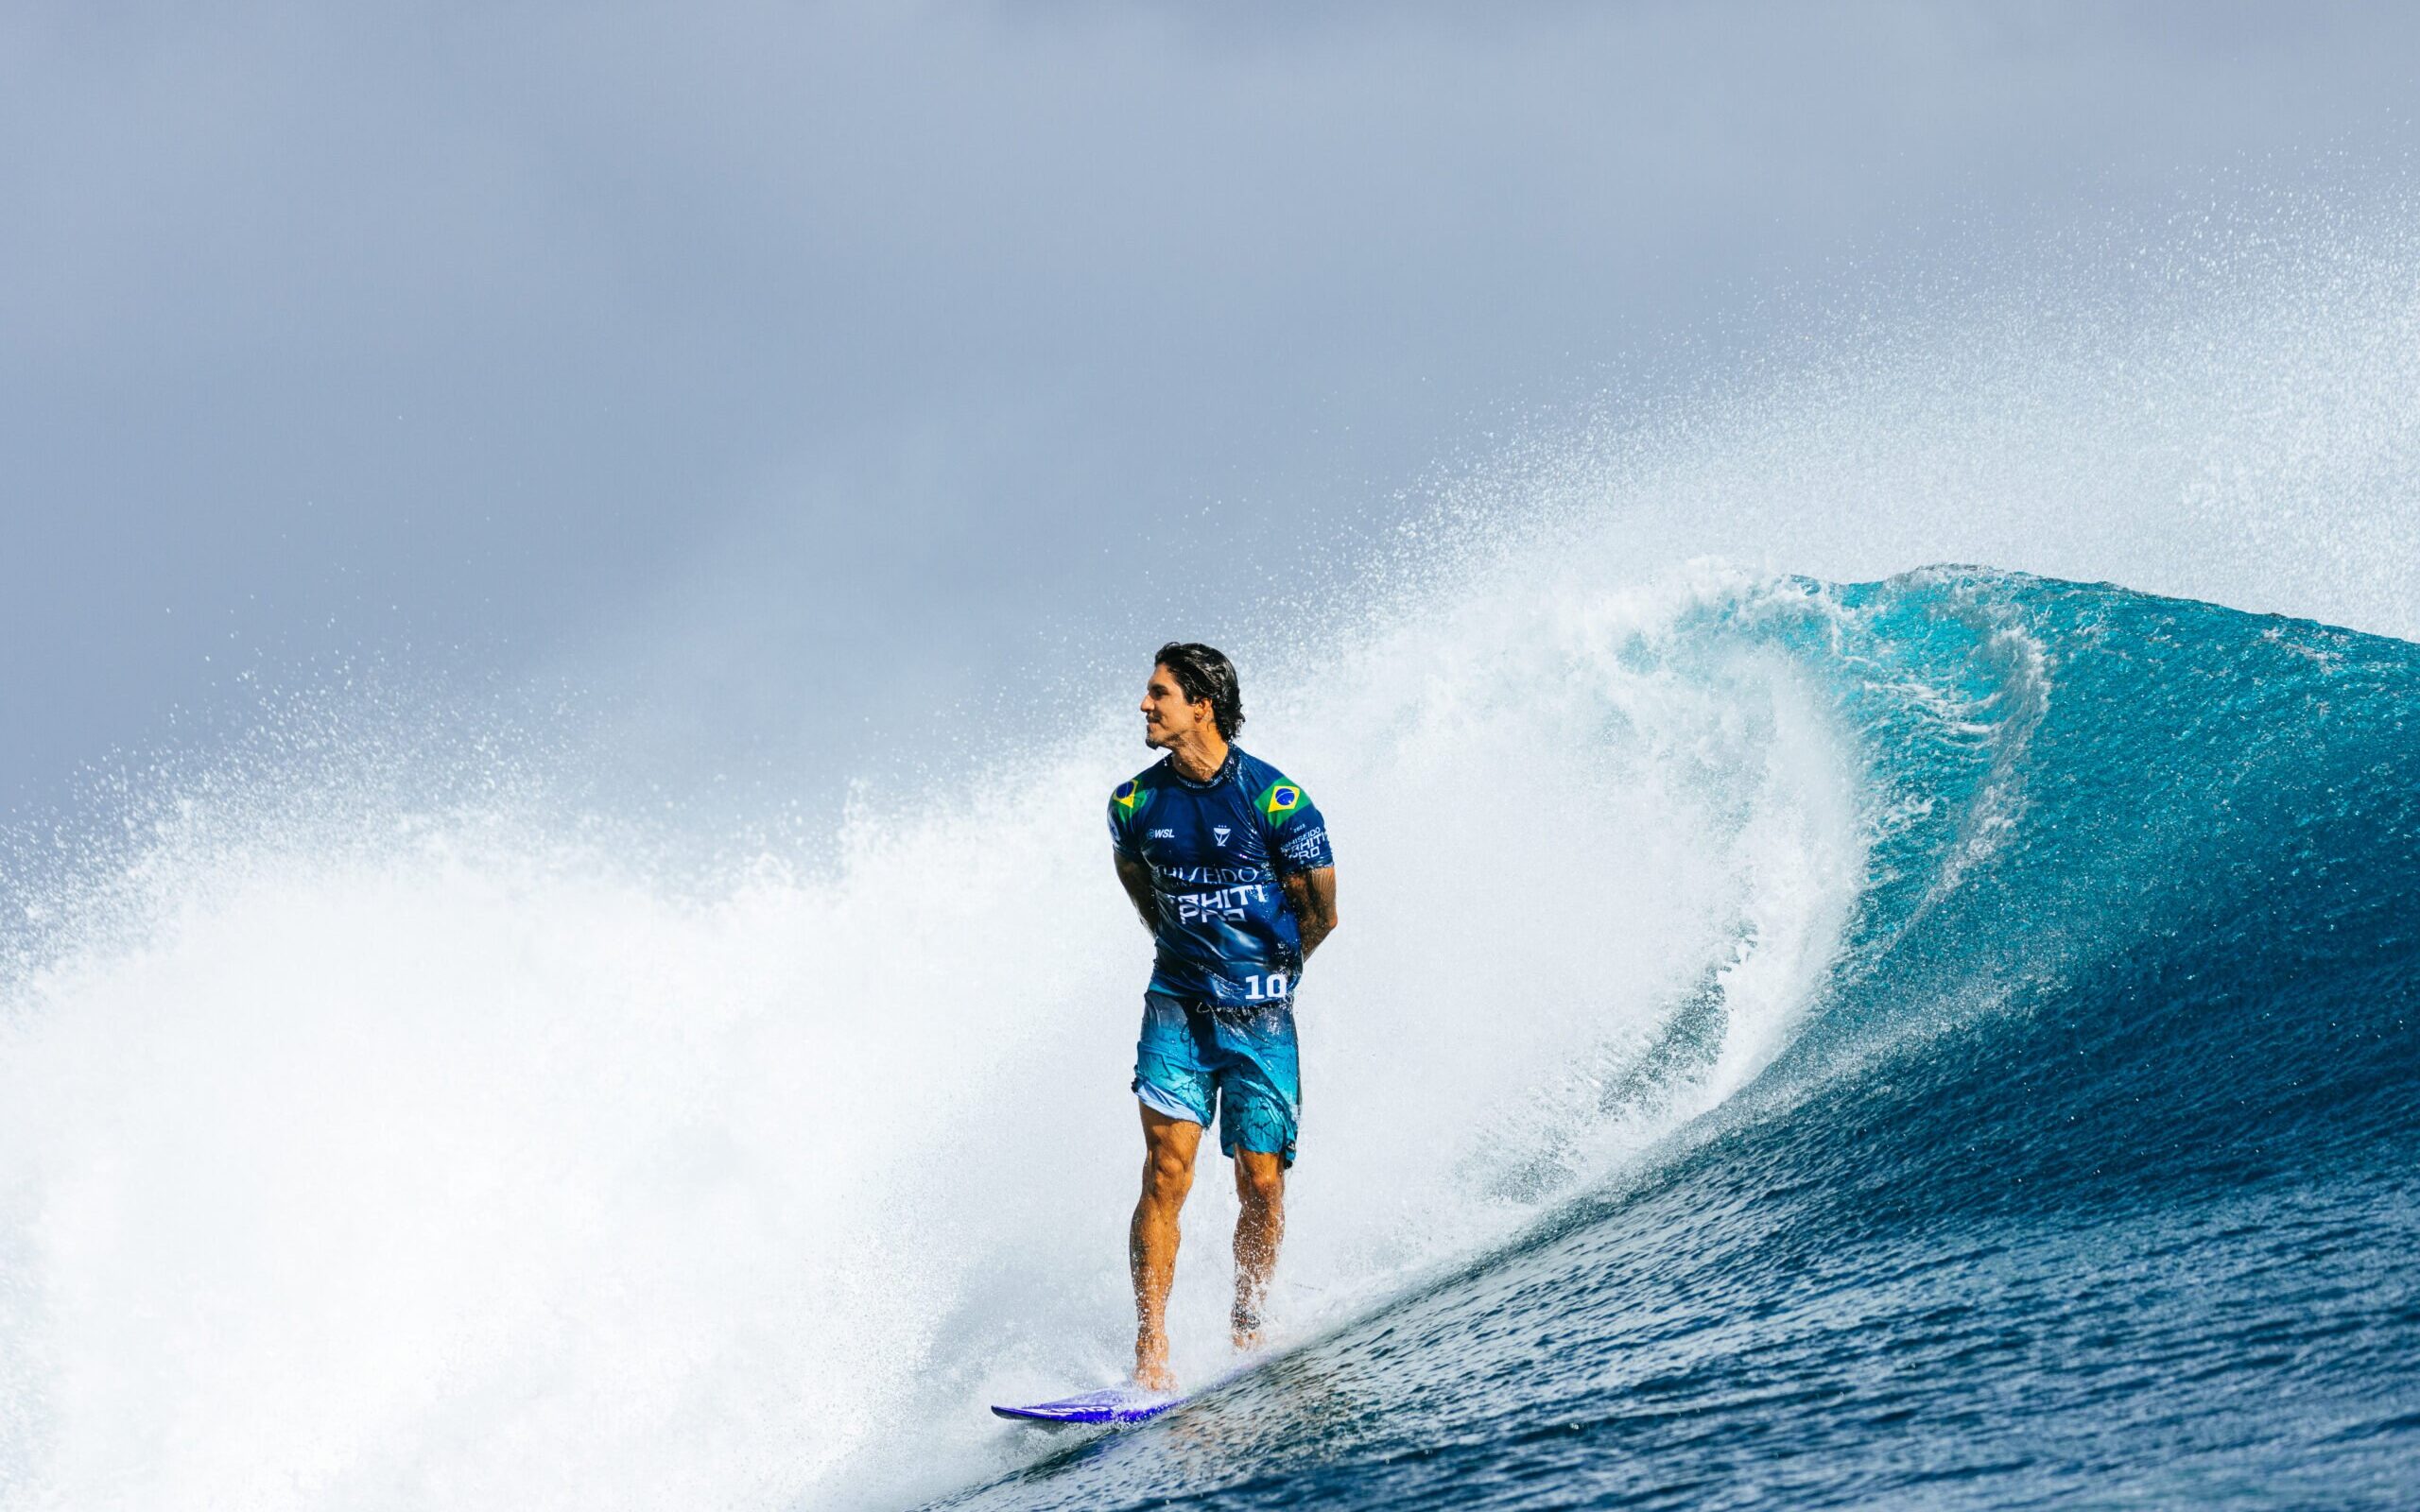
1193 688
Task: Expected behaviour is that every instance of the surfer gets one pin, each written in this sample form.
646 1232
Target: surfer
1229 865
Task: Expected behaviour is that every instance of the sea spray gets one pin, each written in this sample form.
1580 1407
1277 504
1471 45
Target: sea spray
403 1156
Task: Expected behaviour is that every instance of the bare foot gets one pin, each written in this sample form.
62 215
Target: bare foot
1243 1331
1154 1375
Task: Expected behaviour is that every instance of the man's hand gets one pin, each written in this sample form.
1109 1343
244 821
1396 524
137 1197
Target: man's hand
1135 877
1312 896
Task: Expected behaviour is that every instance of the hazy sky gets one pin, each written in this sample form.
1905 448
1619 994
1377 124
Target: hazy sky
787 373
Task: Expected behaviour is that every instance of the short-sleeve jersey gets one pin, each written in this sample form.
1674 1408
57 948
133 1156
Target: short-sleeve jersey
1217 850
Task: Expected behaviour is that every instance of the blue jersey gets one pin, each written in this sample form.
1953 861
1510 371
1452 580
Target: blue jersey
1217 850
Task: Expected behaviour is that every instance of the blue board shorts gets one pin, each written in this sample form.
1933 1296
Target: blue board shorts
1190 1061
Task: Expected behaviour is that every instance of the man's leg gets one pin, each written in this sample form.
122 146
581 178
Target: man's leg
1260 1183
1169 1147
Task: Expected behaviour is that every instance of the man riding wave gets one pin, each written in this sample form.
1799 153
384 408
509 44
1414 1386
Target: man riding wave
1228 862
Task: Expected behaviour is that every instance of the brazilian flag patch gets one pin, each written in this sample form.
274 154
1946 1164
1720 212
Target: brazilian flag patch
1278 803
1129 800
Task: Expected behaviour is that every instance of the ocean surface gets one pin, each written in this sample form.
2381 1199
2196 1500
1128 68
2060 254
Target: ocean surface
1936 1042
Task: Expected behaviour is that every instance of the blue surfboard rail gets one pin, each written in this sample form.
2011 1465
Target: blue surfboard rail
1116 1404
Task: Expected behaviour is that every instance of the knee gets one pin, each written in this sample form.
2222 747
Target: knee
1261 1184
1167 1177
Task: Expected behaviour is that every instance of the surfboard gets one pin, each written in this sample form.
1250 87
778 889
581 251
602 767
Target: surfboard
1118 1404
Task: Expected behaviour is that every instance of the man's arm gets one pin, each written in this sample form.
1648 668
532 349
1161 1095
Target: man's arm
1312 896
1135 877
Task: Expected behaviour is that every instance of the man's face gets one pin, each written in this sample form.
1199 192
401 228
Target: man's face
1167 717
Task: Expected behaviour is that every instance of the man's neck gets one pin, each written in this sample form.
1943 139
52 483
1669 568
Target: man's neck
1198 760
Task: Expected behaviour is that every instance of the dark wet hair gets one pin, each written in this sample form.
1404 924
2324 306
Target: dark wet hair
1204 672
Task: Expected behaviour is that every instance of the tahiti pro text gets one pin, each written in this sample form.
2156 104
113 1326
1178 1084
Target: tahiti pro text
1243 886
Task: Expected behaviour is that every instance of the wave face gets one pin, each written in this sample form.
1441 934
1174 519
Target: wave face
2084 1174
1946 1041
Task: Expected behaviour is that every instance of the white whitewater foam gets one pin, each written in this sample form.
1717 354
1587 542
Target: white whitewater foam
461 1165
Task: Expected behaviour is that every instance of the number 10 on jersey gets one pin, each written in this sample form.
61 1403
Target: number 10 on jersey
1269 988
